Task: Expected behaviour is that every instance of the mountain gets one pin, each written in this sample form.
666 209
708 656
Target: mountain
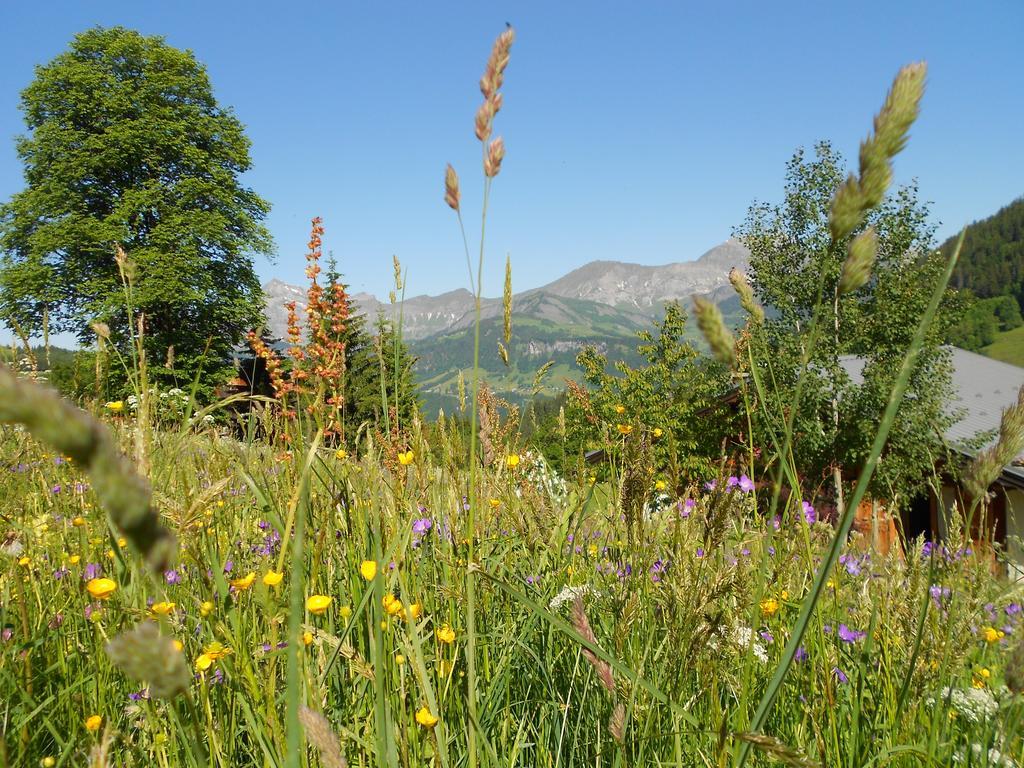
646 289
639 291
603 303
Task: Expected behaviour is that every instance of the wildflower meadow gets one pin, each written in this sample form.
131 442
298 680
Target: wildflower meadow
258 581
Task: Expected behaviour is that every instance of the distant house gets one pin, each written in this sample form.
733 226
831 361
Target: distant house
982 389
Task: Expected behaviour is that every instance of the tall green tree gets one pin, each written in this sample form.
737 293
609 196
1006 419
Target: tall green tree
665 398
126 146
795 268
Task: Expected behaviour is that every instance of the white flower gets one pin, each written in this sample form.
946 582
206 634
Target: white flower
569 594
11 547
975 705
743 637
995 758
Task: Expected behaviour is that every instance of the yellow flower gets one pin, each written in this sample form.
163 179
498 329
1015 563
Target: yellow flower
620 409
48 762
115 406
318 604
985 673
425 718
94 723
245 582
660 485
307 638
122 543
657 432
399 659
162 608
414 611
784 594
345 611
445 634
407 458
512 460
340 455
178 645
203 662
110 554
392 605
770 606
368 569
25 561
206 608
624 429
272 578
495 503
101 589
216 650
78 522
74 559
991 635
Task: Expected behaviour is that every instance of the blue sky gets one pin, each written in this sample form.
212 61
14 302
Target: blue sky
635 131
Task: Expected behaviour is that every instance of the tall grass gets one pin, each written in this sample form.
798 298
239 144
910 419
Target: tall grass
439 609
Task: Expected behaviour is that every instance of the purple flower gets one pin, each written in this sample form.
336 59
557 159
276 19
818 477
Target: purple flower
92 570
848 635
1013 609
421 526
810 516
61 572
700 551
746 484
840 675
172 577
801 654
686 507
55 489
732 482
142 695
229 566
767 636
711 485
532 580
6 634
657 570
851 563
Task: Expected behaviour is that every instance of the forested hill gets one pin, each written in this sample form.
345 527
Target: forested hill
991 268
992 260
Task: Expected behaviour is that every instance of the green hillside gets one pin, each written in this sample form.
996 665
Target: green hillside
990 274
1008 347
545 329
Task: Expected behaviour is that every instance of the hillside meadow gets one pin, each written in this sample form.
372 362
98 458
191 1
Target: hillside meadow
302 572
600 640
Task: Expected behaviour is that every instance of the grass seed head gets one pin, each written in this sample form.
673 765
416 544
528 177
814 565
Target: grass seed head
711 324
451 188
859 261
146 655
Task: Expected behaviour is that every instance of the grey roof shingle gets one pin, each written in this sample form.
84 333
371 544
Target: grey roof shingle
983 388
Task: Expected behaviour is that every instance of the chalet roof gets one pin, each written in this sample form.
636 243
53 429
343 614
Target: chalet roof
982 389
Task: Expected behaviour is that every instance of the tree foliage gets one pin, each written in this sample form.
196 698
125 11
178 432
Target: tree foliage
126 146
795 269
664 400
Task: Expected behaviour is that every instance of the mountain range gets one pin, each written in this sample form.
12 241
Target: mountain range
603 303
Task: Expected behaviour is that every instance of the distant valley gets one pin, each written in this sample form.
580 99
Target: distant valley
604 303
